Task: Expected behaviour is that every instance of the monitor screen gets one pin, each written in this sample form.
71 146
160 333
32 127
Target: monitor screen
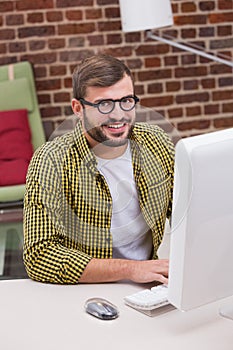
201 257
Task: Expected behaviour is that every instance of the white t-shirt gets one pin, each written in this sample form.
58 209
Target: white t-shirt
130 233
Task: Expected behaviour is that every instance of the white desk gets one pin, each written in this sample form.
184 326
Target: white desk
36 316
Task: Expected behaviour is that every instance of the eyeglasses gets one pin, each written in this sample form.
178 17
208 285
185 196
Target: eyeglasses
126 103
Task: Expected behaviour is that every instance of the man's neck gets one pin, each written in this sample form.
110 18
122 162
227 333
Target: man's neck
107 152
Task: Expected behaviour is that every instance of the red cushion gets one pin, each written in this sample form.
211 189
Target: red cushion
16 149
13 172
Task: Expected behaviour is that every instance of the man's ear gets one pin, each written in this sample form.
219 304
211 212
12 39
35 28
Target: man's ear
77 107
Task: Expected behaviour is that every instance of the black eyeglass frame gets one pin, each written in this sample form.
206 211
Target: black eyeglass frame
120 100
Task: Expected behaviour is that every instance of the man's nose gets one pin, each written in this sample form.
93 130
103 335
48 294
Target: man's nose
117 112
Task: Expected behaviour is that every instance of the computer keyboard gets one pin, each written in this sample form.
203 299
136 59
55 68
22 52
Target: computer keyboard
148 299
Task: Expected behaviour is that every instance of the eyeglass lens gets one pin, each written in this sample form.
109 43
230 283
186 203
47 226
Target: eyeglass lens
126 104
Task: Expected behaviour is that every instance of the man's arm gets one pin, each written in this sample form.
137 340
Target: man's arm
110 270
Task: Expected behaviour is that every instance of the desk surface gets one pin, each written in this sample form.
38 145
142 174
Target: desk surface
52 317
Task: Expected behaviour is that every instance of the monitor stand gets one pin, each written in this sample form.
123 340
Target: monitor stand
227 311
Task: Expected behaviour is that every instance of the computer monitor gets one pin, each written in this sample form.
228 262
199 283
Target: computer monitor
201 242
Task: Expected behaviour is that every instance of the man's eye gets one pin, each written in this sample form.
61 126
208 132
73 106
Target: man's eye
105 103
128 100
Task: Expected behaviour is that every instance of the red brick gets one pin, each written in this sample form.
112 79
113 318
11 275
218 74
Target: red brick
227 107
77 41
139 89
220 69
35 45
154 49
22 5
190 85
224 30
173 86
35 17
14 20
74 3
51 84
190 20
57 70
62 97
211 109
225 5
54 16
107 2
40 71
74 55
206 32
112 12
188 59
134 63
133 37
175 112
17 47
119 51
76 28
93 13
222 95
3 48
193 111
50 112
109 26
68 82
194 97
171 60
152 62
40 58
223 122
226 81
6 6
95 40
190 72
157 101
155 88
74 15
7 34
25 32
188 33
56 43
207 5
208 83
188 6
154 74
221 17
44 98
195 124
113 39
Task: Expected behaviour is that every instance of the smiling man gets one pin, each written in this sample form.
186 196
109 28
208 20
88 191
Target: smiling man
97 198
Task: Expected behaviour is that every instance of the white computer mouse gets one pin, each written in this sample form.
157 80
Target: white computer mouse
101 308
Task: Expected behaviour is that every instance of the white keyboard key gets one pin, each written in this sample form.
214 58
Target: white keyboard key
148 299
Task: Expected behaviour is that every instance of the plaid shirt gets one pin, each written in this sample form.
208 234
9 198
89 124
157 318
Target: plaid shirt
68 206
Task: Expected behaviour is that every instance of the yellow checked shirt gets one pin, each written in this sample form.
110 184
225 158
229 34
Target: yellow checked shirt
68 206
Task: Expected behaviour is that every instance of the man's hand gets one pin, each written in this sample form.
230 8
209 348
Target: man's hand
111 270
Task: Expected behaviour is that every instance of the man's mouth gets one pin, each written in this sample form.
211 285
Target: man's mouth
115 126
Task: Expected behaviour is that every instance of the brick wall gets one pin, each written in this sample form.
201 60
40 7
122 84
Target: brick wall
194 93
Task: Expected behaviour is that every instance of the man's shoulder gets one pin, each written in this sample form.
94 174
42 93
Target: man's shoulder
146 130
56 148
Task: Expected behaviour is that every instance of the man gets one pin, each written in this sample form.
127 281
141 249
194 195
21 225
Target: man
97 198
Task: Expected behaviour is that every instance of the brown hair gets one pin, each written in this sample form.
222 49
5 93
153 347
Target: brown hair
99 70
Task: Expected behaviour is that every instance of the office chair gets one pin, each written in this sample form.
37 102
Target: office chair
18 92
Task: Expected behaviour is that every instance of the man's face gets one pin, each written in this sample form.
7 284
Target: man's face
111 129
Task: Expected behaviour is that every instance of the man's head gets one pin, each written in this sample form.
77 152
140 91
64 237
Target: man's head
104 100
99 71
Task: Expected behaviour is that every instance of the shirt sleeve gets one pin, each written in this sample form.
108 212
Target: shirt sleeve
49 254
